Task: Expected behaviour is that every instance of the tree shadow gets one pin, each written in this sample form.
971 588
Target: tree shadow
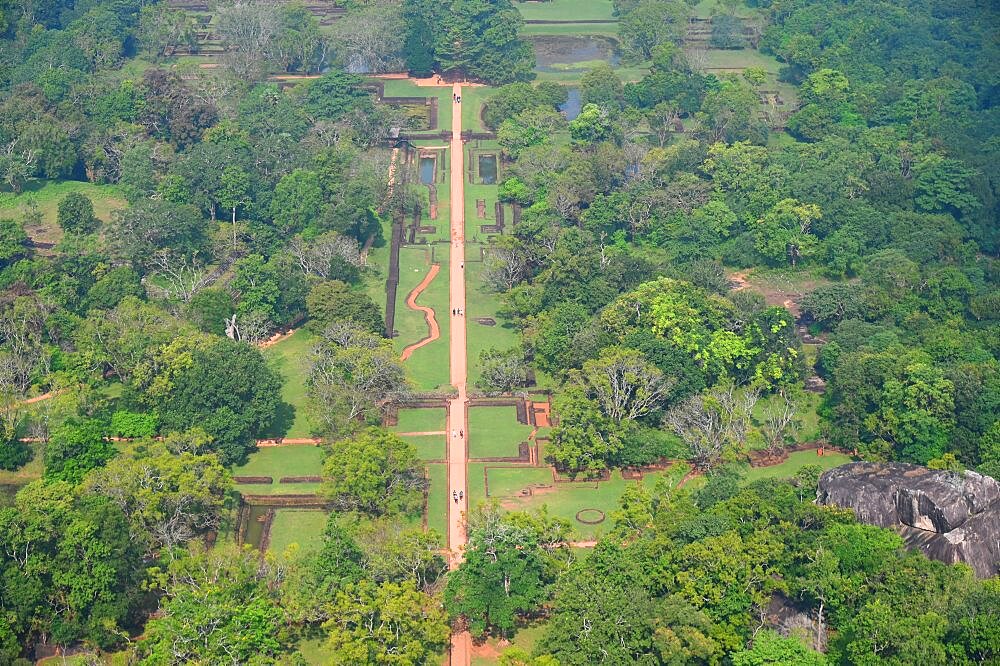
284 416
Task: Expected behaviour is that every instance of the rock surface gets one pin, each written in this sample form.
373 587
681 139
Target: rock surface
950 516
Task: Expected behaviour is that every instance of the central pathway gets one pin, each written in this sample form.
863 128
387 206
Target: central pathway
461 643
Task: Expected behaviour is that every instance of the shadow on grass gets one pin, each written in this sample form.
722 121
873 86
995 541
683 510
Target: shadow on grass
284 417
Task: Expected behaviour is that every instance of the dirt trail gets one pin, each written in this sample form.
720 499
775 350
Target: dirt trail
39 398
434 332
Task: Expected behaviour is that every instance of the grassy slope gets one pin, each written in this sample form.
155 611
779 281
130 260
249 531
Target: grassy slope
795 462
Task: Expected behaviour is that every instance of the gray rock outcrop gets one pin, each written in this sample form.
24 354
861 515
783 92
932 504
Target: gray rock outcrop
950 516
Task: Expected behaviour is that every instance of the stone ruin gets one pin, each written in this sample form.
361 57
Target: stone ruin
950 516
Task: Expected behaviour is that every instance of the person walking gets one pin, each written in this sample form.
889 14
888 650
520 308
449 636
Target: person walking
454 496
461 494
461 434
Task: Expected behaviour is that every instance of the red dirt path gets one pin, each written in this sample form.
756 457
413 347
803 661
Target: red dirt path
432 325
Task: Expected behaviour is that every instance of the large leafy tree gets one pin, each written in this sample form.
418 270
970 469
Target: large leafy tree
219 606
474 38
169 493
388 624
69 570
505 571
227 389
375 472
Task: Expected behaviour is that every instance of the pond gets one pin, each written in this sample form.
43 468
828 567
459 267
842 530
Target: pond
560 53
488 169
571 108
427 170
255 525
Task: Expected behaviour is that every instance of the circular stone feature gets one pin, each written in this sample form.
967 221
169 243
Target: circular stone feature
590 516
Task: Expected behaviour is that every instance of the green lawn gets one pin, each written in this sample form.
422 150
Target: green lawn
610 29
472 103
290 358
423 419
796 461
494 432
405 88
483 302
741 58
46 195
437 498
281 461
302 526
567 10
562 499
429 447
428 367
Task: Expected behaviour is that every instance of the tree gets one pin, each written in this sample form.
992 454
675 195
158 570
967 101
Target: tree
139 231
727 32
235 192
219 606
76 448
168 497
372 39
391 624
650 23
585 439
69 571
779 424
351 372
770 648
209 309
225 387
503 574
784 233
248 29
502 371
297 201
163 29
714 425
76 213
624 384
17 167
593 125
374 472
13 242
601 86
333 301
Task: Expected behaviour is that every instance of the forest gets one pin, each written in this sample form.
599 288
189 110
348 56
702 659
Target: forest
725 245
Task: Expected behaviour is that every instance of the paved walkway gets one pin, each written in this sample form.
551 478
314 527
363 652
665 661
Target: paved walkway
461 643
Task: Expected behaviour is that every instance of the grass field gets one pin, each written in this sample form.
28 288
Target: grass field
302 526
483 303
428 366
45 196
290 358
437 498
424 419
562 499
429 447
494 432
405 88
567 10
796 461
472 104
279 461
31 471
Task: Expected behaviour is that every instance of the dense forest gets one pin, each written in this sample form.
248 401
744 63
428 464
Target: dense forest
161 219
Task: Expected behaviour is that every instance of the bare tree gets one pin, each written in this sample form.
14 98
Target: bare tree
714 424
182 276
505 263
697 58
248 29
625 384
370 39
779 423
350 373
16 166
251 327
316 257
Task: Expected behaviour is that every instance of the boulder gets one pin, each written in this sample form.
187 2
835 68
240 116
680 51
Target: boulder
950 516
